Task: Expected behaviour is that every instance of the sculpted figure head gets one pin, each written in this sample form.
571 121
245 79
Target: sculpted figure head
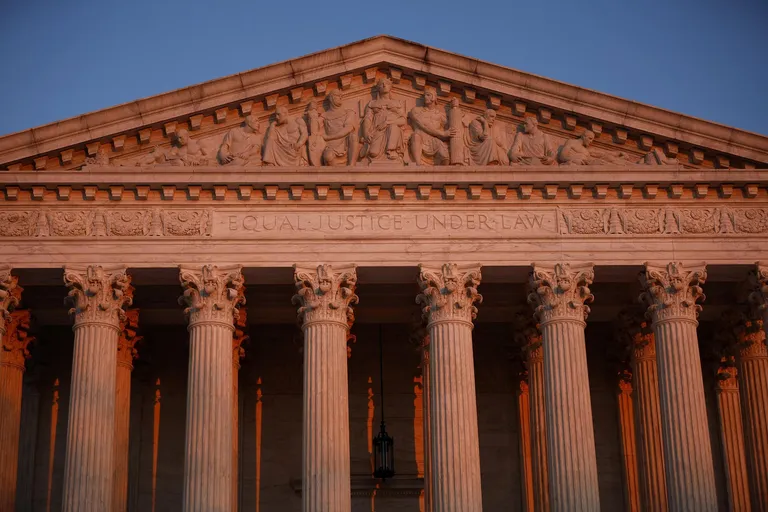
182 137
490 116
430 97
587 137
531 125
335 98
252 122
281 115
384 86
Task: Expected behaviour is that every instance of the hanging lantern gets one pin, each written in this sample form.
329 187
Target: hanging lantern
383 444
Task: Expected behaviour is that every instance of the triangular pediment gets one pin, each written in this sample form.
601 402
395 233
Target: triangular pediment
145 131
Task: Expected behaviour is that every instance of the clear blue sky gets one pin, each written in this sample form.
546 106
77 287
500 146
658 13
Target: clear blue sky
706 58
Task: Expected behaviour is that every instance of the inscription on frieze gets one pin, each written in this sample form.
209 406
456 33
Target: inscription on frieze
482 224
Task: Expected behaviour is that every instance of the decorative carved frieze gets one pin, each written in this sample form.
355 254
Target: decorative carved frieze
325 295
102 222
126 342
449 292
672 291
10 294
98 294
17 339
212 294
561 292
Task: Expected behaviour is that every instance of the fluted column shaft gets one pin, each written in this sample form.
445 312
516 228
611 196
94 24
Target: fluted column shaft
560 294
526 469
628 446
11 378
646 390
538 428
426 409
753 388
126 353
212 296
325 450
732 440
671 291
325 297
238 352
98 295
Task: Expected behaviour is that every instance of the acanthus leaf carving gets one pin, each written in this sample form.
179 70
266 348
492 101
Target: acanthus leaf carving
98 294
758 280
561 292
449 292
212 294
240 335
10 295
15 345
527 337
672 291
126 342
635 335
325 295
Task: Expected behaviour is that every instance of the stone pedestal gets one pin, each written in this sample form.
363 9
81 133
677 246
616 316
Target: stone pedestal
212 297
99 295
325 296
559 294
732 438
671 292
753 384
448 297
13 353
628 445
126 353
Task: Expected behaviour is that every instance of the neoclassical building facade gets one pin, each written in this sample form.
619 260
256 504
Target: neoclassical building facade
210 298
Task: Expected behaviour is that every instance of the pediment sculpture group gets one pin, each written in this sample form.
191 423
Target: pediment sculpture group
335 135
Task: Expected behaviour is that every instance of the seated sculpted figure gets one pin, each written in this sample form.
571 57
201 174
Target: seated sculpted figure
242 144
488 143
532 146
576 151
285 140
657 157
185 151
339 131
382 132
431 133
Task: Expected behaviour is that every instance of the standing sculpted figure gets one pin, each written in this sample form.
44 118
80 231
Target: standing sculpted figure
382 132
242 144
338 131
285 139
576 151
431 132
488 143
532 146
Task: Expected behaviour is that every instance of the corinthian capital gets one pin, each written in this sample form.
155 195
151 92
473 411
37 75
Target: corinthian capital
17 339
126 342
561 292
672 290
449 292
98 294
635 336
758 279
10 293
239 337
212 294
325 295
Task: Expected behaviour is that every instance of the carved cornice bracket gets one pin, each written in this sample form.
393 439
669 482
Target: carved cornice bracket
672 291
449 293
10 295
17 339
212 294
561 292
126 342
325 295
98 294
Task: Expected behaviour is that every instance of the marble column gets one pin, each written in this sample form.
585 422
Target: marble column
448 298
238 352
538 424
732 436
126 353
98 295
425 404
638 334
325 297
211 299
559 295
9 299
753 382
13 354
628 443
524 439
671 292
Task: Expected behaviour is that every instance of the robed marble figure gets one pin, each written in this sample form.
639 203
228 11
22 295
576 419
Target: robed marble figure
487 140
382 129
285 140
